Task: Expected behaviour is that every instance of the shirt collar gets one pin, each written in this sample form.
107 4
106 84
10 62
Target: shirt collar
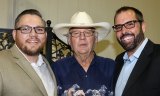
39 63
137 53
75 62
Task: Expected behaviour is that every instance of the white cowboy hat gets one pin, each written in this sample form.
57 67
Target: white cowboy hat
81 19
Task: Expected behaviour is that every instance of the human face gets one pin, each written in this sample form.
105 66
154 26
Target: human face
32 43
84 44
129 38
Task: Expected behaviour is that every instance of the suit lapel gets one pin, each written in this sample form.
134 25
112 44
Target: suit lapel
140 66
119 65
26 66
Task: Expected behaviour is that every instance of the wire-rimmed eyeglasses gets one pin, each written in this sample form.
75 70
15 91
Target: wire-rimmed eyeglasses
127 25
28 29
87 33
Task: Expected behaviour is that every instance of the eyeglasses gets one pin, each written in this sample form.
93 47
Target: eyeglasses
28 29
86 33
127 25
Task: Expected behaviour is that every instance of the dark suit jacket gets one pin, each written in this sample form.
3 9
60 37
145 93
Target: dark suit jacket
144 80
18 78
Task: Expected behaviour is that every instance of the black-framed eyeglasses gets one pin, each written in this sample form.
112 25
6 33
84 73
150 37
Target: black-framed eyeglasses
87 33
127 25
28 29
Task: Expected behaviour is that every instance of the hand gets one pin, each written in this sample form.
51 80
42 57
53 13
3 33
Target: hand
73 92
70 91
79 93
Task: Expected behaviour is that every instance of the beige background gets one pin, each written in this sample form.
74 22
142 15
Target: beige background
59 11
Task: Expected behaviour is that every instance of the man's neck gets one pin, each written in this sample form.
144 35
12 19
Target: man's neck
32 59
85 61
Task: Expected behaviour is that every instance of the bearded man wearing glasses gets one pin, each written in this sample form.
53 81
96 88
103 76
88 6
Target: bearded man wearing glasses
23 70
137 70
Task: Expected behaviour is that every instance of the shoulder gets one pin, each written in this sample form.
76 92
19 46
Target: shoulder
4 52
105 62
5 55
157 48
105 65
63 66
64 60
7 60
62 63
156 52
152 48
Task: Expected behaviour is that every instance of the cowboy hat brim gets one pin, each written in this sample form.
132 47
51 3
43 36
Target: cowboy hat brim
61 30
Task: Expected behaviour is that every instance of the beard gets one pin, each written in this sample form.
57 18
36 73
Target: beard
134 43
30 50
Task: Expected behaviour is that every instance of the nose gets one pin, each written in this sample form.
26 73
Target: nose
124 30
82 35
33 32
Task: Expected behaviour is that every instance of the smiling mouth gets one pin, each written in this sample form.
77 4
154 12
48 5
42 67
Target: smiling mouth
32 40
127 38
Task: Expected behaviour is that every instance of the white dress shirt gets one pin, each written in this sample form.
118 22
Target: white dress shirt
41 69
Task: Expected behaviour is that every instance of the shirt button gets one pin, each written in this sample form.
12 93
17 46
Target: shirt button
86 76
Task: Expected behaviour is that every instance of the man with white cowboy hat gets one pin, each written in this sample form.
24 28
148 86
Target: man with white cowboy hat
84 73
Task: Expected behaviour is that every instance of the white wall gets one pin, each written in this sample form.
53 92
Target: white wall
59 11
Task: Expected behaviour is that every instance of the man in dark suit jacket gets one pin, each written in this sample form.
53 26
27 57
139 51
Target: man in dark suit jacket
23 70
138 68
